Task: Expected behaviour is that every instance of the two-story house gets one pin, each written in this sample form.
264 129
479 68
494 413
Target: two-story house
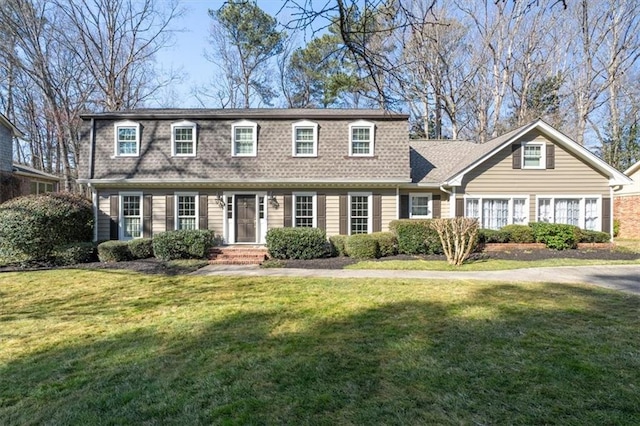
242 172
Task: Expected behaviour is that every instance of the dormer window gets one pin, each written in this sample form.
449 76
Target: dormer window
305 139
127 139
244 136
361 137
533 155
183 139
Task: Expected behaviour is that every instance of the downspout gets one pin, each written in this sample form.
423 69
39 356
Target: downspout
611 202
397 202
92 144
94 192
94 201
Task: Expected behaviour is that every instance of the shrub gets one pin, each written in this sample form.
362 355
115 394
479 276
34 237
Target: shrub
74 253
458 237
338 245
518 233
362 246
141 248
488 236
616 227
35 225
556 236
387 243
297 243
594 236
114 251
416 236
183 244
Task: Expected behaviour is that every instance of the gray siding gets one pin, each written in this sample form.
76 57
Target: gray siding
6 149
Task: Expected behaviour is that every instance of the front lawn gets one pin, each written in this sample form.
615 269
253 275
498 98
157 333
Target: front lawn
116 347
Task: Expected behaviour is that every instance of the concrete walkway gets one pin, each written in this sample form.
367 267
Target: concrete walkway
618 277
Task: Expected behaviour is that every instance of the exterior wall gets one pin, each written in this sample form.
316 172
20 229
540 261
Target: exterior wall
6 149
634 188
571 176
627 211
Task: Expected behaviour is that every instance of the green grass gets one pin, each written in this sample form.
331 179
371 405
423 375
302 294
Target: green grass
480 265
115 347
627 245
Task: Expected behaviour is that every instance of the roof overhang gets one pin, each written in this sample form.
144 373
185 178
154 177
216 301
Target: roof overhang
616 178
26 171
16 132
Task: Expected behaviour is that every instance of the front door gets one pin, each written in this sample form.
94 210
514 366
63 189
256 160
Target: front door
245 218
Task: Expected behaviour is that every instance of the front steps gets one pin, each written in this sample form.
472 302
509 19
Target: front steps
237 255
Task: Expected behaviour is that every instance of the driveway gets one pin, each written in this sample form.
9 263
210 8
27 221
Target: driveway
617 277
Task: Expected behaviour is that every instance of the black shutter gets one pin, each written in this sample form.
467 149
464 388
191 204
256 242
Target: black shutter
437 206
404 207
322 211
203 212
459 207
343 215
516 156
147 214
551 156
169 214
377 213
114 216
606 214
287 211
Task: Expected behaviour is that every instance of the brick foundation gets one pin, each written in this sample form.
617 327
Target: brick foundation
627 210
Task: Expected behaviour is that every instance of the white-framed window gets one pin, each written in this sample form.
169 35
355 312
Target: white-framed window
305 139
581 211
38 187
183 139
533 155
127 139
361 139
304 209
244 139
420 206
130 215
494 212
186 210
360 213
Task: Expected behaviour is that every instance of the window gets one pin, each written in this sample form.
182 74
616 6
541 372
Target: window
244 135
186 211
533 155
41 187
304 210
127 136
305 139
361 137
496 212
420 206
359 213
130 216
577 211
183 136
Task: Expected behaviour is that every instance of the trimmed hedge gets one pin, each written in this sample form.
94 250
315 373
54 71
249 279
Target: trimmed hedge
556 236
114 251
362 246
184 244
488 236
297 243
34 225
338 245
387 243
518 233
74 253
416 236
141 248
594 236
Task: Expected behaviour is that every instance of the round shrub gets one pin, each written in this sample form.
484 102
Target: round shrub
337 244
489 236
594 236
35 225
555 235
297 243
362 246
416 236
74 253
114 251
518 233
184 244
141 248
387 243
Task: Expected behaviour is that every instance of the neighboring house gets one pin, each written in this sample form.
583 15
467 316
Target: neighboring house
18 179
627 205
242 172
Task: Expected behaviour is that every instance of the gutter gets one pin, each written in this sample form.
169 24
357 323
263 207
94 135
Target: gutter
92 139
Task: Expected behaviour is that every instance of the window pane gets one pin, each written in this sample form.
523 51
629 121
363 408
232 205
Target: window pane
567 211
184 140
419 206
532 155
186 212
472 208
127 137
544 210
34 187
359 214
304 211
495 213
591 214
244 140
361 140
520 213
131 205
131 220
131 227
304 140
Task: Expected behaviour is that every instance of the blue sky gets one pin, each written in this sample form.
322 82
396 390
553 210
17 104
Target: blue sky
188 50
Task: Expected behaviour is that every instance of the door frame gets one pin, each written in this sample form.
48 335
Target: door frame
229 224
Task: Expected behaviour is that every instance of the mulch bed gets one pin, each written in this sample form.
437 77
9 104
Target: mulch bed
144 266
